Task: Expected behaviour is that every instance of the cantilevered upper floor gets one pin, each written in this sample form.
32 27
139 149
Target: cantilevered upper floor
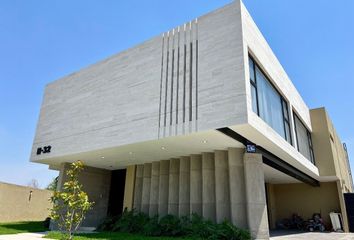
168 96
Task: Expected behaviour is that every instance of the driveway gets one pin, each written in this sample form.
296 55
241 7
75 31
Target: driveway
23 236
311 236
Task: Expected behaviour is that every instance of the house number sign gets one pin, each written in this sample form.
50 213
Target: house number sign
43 150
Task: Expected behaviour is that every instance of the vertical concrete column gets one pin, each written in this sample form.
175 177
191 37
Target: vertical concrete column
163 187
208 173
237 187
129 188
154 190
173 188
271 207
62 175
138 189
222 188
184 186
196 194
145 199
256 197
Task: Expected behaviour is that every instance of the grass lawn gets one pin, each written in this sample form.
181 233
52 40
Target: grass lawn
112 236
21 227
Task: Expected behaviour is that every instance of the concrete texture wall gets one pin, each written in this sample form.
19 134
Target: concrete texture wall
116 101
257 215
17 203
211 184
96 183
304 200
220 185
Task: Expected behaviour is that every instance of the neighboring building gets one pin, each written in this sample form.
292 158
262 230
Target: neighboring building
200 119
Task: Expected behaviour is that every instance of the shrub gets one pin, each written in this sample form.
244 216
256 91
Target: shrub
131 222
193 226
170 226
227 230
200 227
152 227
108 223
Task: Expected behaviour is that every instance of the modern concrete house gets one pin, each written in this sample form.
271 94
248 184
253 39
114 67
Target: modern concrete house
200 119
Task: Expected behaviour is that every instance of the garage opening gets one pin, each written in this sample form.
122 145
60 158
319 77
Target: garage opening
291 204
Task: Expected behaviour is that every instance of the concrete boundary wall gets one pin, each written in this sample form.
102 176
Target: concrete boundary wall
20 203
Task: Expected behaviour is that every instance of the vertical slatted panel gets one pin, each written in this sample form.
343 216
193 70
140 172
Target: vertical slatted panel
173 195
222 189
211 185
154 190
208 174
138 189
145 199
196 195
163 187
178 110
184 186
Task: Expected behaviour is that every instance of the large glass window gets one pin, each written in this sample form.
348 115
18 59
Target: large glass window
267 103
303 139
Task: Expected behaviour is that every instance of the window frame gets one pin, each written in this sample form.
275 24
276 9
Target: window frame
286 120
254 83
309 138
283 101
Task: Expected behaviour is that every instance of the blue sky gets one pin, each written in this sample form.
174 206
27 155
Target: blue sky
41 41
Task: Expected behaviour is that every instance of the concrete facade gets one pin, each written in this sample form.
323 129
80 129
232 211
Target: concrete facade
191 79
176 112
31 204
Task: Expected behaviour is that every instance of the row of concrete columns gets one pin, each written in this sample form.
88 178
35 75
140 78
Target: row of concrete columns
218 186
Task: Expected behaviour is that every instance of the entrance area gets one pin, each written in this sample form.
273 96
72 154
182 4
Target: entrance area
116 193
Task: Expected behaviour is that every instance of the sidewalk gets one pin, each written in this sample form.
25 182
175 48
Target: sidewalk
314 236
23 236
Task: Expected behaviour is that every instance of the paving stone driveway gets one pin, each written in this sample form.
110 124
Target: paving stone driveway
312 236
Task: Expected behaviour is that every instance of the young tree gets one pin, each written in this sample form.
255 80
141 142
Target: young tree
71 204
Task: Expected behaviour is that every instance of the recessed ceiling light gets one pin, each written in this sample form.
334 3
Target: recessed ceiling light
130 153
163 148
205 141
102 157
